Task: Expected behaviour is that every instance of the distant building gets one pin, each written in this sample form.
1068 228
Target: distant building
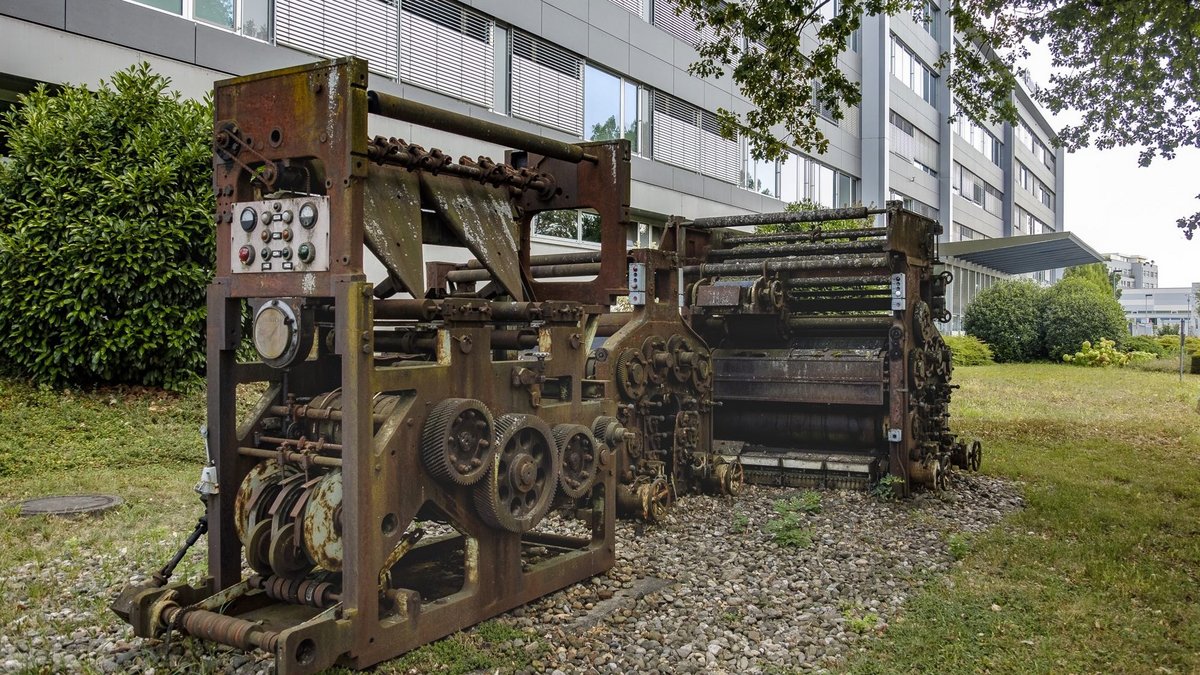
1136 271
1148 309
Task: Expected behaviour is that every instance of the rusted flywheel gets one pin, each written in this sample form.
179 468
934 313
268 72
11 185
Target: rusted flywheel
457 442
974 455
580 459
655 498
322 523
520 482
632 374
730 477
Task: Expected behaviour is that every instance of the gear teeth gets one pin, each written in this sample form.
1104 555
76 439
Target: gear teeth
563 433
486 495
600 429
436 434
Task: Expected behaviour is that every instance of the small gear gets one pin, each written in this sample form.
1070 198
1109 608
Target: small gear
457 441
632 374
520 481
580 459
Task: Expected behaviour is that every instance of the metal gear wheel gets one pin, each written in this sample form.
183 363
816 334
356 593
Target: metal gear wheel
457 441
580 459
520 481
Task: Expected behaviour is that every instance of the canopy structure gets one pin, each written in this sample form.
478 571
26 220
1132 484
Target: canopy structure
1025 253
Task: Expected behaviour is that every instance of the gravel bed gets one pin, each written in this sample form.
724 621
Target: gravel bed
707 591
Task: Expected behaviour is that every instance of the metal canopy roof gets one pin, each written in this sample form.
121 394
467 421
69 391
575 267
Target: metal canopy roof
1025 253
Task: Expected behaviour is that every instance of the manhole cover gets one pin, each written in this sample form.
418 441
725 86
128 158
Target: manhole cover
69 505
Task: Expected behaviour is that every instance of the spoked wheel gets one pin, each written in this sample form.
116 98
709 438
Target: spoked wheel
974 455
457 443
580 459
730 477
519 485
655 497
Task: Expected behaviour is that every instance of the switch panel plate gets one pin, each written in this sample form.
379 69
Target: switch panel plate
283 255
637 284
899 293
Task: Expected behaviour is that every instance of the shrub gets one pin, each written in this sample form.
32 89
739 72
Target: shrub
1191 344
1105 354
1008 317
1143 343
1076 311
968 350
106 234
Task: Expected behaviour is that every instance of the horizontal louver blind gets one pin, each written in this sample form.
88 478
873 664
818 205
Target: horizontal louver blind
634 6
365 28
682 25
676 137
547 84
447 48
718 155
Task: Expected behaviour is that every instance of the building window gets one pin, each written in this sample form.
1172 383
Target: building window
801 179
966 234
759 175
916 206
1040 150
664 14
912 144
448 48
547 83
979 138
251 18
334 28
913 72
1025 179
1027 223
573 224
611 107
976 190
689 137
929 16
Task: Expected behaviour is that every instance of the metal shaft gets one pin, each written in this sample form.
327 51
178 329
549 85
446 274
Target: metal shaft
577 270
790 265
379 103
783 217
811 235
797 249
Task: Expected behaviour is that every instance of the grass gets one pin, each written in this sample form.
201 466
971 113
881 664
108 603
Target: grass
789 529
1099 572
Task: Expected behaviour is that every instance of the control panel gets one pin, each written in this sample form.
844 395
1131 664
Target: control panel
281 235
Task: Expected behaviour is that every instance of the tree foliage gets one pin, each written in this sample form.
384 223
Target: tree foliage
1096 274
1077 311
1008 317
106 234
1132 69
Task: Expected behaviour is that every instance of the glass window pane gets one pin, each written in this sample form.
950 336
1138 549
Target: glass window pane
630 120
845 194
218 12
789 179
255 19
175 6
764 177
824 186
601 105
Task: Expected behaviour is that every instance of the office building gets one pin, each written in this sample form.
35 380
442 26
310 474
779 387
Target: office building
1133 271
598 69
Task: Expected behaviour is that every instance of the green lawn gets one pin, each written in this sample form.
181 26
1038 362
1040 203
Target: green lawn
1099 573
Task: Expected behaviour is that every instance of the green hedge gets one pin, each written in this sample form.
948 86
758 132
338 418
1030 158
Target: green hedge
106 234
1077 311
968 350
1008 317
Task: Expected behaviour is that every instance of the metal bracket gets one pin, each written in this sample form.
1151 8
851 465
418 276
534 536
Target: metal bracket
637 284
899 293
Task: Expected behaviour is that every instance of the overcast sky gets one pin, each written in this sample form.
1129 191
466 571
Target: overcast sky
1117 206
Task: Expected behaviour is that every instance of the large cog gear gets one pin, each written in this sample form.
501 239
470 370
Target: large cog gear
580 459
520 481
457 441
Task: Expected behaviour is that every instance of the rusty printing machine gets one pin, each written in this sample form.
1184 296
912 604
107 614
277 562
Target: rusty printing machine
503 404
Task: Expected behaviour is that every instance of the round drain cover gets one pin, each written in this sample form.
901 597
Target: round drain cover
69 505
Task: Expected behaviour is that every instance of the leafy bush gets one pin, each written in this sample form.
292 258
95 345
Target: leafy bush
1076 311
1008 317
1105 354
106 234
1191 344
968 350
1143 343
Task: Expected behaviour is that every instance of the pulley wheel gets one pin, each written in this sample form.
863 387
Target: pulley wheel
322 523
580 459
974 455
258 548
285 554
681 358
252 486
457 443
520 482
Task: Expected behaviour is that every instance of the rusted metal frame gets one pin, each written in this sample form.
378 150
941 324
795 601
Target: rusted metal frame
811 235
407 110
818 323
834 248
831 264
542 260
223 338
783 217
844 304
393 152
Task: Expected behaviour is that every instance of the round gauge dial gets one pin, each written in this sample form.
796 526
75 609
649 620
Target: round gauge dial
248 219
274 331
308 215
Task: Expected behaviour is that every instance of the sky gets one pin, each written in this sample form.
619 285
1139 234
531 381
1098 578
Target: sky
1116 206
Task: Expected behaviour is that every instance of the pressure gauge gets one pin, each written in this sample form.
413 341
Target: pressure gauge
248 219
308 215
281 335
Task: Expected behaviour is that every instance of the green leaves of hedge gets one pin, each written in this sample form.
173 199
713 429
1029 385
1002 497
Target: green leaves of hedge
1008 317
106 234
1079 311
